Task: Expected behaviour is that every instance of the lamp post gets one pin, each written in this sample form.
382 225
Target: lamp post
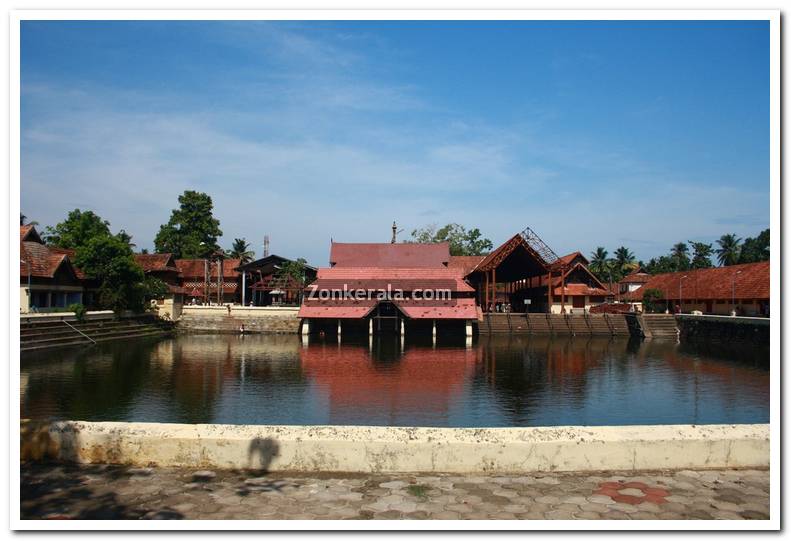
680 280
733 293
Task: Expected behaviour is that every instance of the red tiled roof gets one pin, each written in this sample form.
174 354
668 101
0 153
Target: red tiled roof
40 260
156 262
336 308
454 309
466 263
370 254
568 258
28 232
579 289
70 254
191 268
747 281
636 277
401 277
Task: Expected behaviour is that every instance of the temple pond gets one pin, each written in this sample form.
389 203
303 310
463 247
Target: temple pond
499 381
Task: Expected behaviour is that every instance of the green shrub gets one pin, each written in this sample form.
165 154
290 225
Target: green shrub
79 311
652 299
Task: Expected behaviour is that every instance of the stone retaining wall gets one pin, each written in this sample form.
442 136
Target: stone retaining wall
219 319
399 449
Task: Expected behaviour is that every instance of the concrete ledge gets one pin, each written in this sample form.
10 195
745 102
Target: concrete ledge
399 449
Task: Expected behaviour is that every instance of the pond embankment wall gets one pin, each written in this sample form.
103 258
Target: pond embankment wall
229 319
399 449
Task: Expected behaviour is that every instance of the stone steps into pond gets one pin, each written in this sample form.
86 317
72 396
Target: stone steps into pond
564 325
48 334
658 325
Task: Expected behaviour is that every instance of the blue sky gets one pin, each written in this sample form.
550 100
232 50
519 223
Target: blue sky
640 134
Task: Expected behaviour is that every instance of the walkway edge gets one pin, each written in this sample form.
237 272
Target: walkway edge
399 449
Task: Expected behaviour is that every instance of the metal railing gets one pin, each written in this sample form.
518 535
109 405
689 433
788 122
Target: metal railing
79 331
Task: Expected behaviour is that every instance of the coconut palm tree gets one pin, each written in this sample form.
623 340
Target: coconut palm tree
625 261
728 252
241 250
680 255
701 255
600 264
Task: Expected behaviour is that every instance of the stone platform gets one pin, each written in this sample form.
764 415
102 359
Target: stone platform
63 491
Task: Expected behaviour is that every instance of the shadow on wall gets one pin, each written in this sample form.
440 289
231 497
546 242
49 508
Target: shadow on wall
261 453
43 440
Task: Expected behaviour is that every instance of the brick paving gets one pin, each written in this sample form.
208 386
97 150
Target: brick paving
56 491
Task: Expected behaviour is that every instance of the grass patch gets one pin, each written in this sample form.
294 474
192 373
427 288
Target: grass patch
418 491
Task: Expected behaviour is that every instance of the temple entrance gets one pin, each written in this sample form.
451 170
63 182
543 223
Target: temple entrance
386 318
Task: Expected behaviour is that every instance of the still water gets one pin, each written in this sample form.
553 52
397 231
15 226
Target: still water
499 381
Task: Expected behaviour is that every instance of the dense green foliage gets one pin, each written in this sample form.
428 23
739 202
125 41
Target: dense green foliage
294 269
79 311
653 300
76 230
110 261
462 241
192 231
755 249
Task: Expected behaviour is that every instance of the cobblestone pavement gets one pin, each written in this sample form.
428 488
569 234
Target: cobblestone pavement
116 492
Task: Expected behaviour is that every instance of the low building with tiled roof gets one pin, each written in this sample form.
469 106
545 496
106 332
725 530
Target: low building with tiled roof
48 278
380 287
719 290
163 267
199 280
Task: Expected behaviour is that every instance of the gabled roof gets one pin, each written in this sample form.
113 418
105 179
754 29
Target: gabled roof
42 262
156 262
746 281
70 254
28 232
504 250
568 259
267 264
375 254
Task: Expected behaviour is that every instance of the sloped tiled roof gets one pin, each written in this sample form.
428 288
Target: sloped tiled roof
636 277
190 268
569 258
41 261
28 232
156 262
370 254
466 263
747 281
397 277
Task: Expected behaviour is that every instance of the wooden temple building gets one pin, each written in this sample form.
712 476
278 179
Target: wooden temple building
521 275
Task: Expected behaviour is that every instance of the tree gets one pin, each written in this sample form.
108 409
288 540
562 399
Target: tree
600 265
23 220
123 236
755 249
461 241
110 261
680 255
652 298
294 269
192 231
662 265
241 250
78 229
624 261
701 255
728 251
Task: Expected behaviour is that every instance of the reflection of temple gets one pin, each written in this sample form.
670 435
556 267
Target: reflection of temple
420 383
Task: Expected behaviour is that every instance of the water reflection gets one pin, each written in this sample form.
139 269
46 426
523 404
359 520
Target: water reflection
500 381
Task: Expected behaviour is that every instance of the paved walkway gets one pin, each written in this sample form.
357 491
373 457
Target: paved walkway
115 492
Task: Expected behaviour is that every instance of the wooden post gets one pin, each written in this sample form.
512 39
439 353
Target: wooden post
563 290
494 286
486 292
549 292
